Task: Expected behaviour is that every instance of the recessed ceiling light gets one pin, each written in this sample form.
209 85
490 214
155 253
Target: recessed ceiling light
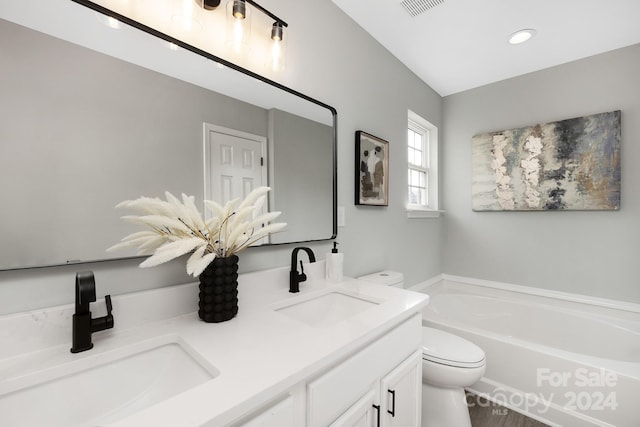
521 36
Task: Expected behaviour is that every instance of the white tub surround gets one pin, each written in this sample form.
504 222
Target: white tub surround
566 360
265 360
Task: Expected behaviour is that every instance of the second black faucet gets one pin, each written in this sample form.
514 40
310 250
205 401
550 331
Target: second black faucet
294 277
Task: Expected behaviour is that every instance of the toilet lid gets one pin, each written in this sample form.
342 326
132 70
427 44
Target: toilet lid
448 349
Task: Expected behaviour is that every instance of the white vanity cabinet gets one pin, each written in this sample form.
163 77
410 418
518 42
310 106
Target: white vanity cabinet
351 393
393 402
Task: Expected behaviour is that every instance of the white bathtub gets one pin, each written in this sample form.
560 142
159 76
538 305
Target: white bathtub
565 360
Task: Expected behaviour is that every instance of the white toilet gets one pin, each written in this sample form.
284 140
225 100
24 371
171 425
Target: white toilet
449 364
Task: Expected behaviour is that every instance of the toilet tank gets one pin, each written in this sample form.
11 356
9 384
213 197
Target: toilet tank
385 277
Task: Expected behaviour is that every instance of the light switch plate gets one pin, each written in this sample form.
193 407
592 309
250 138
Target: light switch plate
341 216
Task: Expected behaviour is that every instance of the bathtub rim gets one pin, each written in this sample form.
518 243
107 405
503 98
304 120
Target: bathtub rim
539 292
606 314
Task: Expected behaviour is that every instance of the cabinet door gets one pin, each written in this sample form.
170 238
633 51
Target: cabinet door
401 394
334 392
361 414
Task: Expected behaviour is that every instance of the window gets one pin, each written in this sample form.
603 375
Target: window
418 167
422 168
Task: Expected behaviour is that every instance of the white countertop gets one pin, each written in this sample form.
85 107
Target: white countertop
259 354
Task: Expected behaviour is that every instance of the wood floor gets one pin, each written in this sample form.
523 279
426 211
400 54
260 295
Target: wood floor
488 414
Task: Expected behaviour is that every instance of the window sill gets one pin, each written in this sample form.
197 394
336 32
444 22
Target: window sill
423 213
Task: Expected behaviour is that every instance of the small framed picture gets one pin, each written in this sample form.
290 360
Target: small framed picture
372 170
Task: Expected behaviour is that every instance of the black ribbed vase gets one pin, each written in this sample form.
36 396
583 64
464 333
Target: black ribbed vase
219 290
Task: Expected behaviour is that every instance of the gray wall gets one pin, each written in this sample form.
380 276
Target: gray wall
372 91
591 253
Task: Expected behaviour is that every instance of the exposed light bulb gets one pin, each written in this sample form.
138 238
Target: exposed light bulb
238 35
276 55
238 26
277 47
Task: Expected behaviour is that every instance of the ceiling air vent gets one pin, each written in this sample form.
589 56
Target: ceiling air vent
416 7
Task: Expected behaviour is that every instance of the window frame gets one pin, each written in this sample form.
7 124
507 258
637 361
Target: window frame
429 132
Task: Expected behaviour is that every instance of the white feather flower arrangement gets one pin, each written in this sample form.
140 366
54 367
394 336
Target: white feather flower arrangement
177 228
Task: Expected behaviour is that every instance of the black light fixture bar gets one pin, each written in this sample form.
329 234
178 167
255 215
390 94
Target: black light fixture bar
142 27
266 12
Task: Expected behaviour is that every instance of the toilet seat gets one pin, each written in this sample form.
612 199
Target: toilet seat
448 349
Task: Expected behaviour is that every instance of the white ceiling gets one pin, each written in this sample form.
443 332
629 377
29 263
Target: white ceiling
462 44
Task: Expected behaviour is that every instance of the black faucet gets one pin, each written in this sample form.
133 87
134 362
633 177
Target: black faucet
294 277
83 324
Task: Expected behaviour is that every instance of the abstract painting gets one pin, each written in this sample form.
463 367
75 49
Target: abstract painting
571 164
372 170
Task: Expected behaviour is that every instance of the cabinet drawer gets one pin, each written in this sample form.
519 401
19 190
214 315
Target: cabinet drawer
332 393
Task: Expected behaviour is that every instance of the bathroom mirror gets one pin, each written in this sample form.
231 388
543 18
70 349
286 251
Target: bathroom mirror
91 116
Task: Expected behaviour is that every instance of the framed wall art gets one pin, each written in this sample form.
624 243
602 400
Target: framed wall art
372 170
571 164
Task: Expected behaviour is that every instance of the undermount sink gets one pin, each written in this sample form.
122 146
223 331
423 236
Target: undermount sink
327 309
102 388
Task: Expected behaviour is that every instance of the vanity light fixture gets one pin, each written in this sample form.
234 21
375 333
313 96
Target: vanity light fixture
522 36
189 18
277 31
239 9
239 27
208 4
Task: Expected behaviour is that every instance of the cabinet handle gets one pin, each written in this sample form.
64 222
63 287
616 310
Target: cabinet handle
393 403
377 408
